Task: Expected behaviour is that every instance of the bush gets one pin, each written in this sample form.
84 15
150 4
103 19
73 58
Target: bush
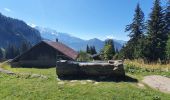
83 56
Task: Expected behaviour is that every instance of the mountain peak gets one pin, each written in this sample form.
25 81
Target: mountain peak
31 25
95 39
15 31
72 41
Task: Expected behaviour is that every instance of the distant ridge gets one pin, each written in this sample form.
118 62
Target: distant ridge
14 32
75 42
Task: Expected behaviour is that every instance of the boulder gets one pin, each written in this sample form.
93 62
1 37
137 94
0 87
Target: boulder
97 69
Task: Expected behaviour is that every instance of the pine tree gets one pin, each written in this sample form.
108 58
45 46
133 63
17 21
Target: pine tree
167 29
111 43
108 53
56 40
168 49
109 50
93 49
167 18
90 50
117 51
83 56
87 49
136 28
157 38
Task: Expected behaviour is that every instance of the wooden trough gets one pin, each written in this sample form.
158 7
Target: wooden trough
81 69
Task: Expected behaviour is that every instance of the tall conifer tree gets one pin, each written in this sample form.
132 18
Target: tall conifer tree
167 18
157 38
167 28
136 28
87 49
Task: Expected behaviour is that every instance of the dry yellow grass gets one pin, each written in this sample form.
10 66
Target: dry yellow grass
141 64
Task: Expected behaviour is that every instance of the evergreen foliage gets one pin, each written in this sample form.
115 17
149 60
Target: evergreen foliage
116 51
87 49
168 49
133 48
109 50
156 35
167 29
83 56
91 50
56 39
167 18
149 42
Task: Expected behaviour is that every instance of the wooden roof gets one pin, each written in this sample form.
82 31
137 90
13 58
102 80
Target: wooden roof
62 48
67 51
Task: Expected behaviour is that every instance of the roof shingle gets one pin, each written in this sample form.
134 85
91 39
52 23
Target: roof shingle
63 49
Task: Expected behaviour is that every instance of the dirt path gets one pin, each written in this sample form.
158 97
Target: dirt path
158 82
5 71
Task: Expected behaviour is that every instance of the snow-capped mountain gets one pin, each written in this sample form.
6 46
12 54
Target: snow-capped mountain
74 42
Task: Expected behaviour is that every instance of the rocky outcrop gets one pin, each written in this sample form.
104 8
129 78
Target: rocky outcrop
97 69
158 82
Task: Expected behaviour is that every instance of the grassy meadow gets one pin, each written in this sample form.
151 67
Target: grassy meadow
24 87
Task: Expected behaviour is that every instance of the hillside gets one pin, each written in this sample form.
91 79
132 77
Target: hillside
75 42
14 31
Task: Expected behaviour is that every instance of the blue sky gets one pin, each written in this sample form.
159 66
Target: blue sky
82 18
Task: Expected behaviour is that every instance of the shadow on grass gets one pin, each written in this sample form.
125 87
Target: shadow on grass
36 67
101 78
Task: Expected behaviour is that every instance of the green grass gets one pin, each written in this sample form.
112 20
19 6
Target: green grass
14 87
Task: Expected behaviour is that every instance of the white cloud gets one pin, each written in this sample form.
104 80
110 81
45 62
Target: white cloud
7 9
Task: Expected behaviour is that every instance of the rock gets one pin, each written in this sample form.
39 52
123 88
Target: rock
44 77
72 81
35 76
83 82
158 82
89 80
95 83
72 84
78 69
111 61
58 79
61 83
141 85
38 76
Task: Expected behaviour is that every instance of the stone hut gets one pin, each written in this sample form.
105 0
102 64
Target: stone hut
44 55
